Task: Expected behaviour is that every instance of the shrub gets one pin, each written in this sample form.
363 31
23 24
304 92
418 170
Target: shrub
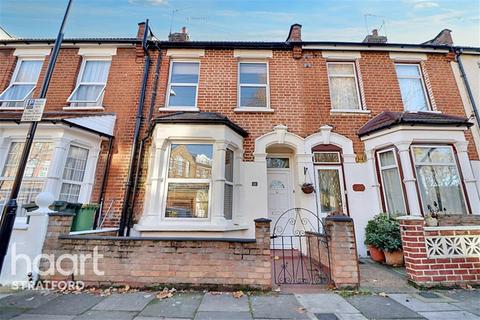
383 232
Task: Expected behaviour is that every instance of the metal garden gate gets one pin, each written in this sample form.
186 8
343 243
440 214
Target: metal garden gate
299 246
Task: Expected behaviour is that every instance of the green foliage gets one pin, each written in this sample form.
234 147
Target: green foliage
383 232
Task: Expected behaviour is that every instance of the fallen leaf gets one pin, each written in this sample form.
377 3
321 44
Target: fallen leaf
383 294
238 294
164 295
301 310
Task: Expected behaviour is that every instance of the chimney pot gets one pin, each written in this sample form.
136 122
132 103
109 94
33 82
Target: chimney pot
295 34
375 38
181 36
375 32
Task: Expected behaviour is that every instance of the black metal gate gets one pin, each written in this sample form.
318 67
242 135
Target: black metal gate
300 248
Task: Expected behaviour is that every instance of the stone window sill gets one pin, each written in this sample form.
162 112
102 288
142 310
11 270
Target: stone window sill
188 228
259 110
172 109
349 111
70 108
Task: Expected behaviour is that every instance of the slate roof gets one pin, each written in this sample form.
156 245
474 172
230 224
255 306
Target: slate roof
388 119
213 118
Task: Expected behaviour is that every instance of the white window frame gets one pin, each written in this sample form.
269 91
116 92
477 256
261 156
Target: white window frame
327 163
357 86
230 183
395 166
422 81
80 183
24 219
20 60
99 101
343 191
240 85
182 84
454 163
187 181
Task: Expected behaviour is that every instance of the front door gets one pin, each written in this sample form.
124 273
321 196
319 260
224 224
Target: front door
331 190
280 192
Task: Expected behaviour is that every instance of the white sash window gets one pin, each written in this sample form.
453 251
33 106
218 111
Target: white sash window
91 83
24 81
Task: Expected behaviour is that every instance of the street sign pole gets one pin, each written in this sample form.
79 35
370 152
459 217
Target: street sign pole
9 212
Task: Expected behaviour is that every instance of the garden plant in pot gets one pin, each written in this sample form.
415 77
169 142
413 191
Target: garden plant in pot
392 241
374 239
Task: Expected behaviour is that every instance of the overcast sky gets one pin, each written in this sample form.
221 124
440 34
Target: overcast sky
403 21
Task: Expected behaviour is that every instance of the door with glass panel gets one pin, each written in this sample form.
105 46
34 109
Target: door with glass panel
331 190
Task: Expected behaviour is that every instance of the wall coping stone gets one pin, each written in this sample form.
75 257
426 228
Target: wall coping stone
441 228
117 238
339 218
260 220
419 218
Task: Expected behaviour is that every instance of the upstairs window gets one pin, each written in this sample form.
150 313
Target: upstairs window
344 92
412 87
188 190
91 83
253 85
73 174
183 84
438 179
391 182
24 81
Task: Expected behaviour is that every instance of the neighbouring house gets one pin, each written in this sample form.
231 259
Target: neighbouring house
229 132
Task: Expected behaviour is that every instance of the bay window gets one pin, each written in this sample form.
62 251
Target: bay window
438 179
34 177
253 89
183 84
391 182
188 190
412 87
73 174
91 83
24 81
344 92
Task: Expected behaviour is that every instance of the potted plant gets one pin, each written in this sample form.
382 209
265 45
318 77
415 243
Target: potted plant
391 241
374 239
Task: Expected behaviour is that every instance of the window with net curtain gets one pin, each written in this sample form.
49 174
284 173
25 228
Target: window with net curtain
34 177
391 182
342 79
253 85
228 196
183 84
438 179
91 84
188 188
22 85
73 174
412 87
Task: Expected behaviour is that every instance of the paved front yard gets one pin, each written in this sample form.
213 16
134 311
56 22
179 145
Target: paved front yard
34 305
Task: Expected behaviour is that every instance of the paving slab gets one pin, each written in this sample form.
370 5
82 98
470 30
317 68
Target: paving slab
27 299
465 299
378 278
125 302
107 315
181 305
42 317
325 303
418 305
9 313
216 315
3 295
377 307
69 304
351 316
222 302
160 318
277 307
449 315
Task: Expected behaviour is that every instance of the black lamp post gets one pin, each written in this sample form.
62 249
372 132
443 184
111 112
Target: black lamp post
9 212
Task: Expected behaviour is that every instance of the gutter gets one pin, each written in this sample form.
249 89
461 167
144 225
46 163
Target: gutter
136 135
458 53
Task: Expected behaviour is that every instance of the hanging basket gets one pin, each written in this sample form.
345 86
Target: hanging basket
308 188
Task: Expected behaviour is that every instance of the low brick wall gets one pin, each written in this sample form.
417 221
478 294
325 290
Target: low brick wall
440 256
341 250
149 262
459 220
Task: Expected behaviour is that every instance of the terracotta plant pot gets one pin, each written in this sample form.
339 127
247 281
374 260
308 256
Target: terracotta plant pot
308 188
376 254
394 258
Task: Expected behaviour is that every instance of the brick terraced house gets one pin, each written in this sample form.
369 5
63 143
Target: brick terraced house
229 132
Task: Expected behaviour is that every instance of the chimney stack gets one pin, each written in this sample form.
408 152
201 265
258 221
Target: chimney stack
295 34
375 38
182 36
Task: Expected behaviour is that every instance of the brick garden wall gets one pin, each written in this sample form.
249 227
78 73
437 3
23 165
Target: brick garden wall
440 256
144 262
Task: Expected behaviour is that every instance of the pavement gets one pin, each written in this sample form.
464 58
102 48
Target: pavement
438 305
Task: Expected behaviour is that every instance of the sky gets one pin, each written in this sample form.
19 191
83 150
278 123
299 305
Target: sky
402 21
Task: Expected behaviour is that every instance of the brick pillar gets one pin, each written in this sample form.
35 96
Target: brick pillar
342 244
262 237
414 249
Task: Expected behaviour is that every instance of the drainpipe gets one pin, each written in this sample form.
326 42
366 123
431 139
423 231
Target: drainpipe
136 135
458 52
143 141
101 196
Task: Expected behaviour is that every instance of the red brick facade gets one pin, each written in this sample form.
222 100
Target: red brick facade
434 269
